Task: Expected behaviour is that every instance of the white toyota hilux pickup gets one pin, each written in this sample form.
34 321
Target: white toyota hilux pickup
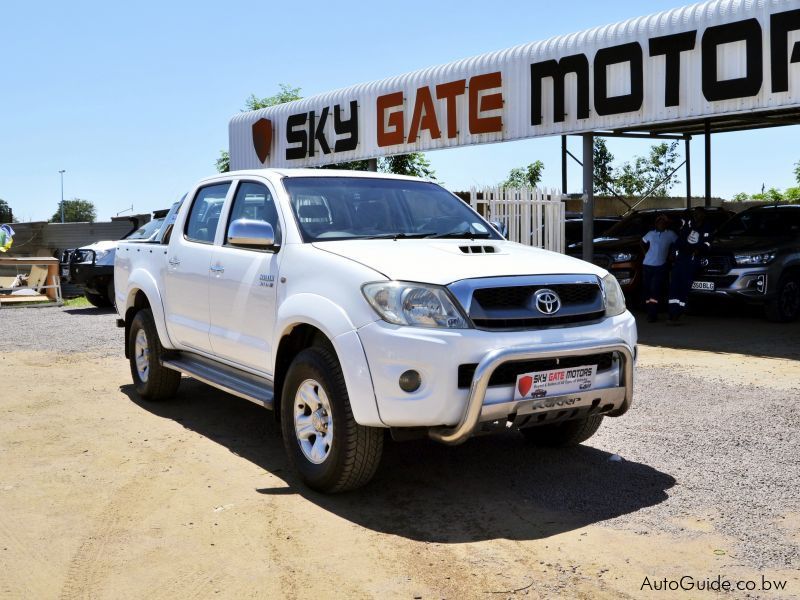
351 303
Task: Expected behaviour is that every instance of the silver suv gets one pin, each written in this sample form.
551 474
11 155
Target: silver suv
755 257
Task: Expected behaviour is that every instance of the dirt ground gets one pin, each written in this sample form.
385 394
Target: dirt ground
105 496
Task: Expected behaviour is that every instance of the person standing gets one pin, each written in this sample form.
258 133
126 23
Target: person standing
694 240
657 243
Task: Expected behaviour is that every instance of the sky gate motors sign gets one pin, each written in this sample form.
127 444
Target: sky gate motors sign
689 63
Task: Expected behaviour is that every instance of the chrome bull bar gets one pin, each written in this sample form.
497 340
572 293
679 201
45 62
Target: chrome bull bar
476 412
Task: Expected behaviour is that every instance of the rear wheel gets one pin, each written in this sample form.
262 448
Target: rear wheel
98 300
785 306
330 451
568 433
153 381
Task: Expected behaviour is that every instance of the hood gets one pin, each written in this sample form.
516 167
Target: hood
100 246
442 261
741 243
607 244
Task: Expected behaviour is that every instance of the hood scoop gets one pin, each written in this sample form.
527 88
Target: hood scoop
478 249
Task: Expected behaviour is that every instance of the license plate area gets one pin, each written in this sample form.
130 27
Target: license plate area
555 382
706 286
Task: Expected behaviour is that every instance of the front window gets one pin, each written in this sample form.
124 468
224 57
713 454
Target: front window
764 222
344 208
146 231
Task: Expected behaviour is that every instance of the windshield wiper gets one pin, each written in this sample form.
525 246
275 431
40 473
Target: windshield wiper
460 235
396 236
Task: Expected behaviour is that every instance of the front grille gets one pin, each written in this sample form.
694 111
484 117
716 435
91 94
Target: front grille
717 265
519 296
532 322
513 307
506 374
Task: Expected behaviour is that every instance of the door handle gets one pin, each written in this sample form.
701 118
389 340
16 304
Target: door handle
218 268
174 261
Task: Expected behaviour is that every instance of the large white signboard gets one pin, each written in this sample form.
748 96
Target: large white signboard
704 60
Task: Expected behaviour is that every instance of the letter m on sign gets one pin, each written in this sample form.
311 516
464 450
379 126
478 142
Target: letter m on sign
262 138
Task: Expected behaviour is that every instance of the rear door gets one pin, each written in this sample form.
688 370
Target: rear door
242 287
188 268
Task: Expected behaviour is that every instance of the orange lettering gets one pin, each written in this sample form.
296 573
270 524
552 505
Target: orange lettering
449 92
426 121
478 124
395 135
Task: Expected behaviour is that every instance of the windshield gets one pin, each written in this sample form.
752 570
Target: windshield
634 224
343 208
764 222
147 230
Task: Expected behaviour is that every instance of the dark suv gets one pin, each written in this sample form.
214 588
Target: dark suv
755 257
620 249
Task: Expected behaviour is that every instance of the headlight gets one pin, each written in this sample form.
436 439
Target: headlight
755 259
623 257
414 304
615 300
100 254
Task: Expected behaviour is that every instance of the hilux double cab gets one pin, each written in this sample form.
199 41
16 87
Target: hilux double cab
356 303
755 257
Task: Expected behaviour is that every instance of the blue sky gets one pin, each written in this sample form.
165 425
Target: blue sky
133 99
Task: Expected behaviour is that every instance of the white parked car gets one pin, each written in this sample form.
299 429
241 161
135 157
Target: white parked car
351 303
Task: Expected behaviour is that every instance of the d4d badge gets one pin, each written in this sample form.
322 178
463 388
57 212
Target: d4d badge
262 138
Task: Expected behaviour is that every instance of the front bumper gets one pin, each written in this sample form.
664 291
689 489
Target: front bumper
745 283
436 354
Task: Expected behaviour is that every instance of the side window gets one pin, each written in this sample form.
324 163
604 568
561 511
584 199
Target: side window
254 201
201 226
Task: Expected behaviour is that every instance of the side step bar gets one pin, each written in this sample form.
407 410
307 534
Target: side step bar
228 379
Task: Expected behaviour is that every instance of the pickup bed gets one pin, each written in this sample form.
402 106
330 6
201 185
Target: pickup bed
356 303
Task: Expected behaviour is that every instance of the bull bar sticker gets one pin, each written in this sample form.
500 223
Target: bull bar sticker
542 384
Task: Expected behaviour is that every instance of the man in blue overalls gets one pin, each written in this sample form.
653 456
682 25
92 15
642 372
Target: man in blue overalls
694 239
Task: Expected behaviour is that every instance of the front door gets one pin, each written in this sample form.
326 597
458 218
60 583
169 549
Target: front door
242 287
188 268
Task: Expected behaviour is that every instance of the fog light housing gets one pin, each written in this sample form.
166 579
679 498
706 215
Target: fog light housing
410 381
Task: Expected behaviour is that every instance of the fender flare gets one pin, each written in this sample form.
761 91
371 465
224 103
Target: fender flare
333 321
141 280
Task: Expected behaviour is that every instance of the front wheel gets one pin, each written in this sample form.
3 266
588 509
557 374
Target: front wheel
330 451
567 433
785 306
153 381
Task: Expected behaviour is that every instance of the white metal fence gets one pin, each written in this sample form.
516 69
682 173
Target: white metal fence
534 217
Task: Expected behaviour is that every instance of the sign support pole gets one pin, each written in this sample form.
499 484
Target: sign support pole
588 197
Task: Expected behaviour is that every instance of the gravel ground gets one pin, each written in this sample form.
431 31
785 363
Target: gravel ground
66 330
692 447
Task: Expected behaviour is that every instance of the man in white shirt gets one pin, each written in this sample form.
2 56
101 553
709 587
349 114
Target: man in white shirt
657 243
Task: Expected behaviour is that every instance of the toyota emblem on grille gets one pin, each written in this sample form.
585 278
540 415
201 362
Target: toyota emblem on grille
703 262
547 301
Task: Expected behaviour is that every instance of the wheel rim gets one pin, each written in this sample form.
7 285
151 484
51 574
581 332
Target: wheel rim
313 421
790 299
141 355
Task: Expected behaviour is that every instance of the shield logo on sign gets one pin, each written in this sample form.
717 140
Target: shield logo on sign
525 385
262 138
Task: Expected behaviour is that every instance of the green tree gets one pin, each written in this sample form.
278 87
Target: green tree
75 211
797 171
792 194
6 214
740 197
414 164
603 171
659 166
528 176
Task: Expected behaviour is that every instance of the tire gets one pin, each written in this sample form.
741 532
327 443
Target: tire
111 294
328 449
152 380
785 306
559 435
98 300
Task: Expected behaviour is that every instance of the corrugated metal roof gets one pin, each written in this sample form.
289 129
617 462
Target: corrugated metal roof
514 66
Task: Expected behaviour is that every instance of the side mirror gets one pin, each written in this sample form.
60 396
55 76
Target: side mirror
500 228
250 233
